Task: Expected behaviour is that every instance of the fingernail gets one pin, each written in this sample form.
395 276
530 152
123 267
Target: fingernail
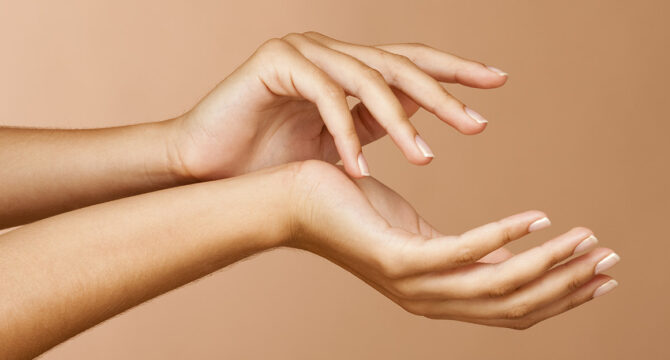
606 263
539 224
497 71
475 116
423 147
605 288
363 165
586 244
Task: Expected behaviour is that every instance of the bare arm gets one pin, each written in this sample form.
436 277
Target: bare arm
62 275
45 172
286 103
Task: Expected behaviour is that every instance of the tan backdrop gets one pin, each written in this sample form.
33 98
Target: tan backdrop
580 131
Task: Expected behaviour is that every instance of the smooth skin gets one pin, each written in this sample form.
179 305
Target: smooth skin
62 275
251 137
286 103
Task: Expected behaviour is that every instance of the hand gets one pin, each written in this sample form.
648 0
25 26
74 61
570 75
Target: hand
287 102
372 232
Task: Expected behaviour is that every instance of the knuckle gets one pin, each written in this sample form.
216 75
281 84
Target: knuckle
309 171
292 36
405 290
517 311
403 60
573 284
418 45
500 289
371 75
464 255
503 233
331 90
312 33
273 46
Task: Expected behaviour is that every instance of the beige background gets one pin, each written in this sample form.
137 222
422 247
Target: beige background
579 131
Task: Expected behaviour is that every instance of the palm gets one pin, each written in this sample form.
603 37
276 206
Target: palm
292 131
367 207
400 214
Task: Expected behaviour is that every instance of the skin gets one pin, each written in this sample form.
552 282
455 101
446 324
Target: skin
109 249
286 103
64 274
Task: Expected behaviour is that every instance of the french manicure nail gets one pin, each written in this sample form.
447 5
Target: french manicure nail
606 263
539 224
363 165
605 288
497 71
475 116
586 244
425 150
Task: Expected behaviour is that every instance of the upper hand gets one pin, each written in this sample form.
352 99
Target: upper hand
287 102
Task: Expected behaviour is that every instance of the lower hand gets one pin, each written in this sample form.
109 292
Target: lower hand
368 229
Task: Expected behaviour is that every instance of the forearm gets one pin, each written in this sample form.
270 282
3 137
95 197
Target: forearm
45 172
64 274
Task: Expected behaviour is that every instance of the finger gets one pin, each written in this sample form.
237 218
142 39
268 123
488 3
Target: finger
499 279
367 126
405 258
598 286
291 74
369 86
405 75
449 68
540 292
497 256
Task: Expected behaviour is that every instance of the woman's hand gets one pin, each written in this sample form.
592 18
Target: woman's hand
87 265
287 102
372 232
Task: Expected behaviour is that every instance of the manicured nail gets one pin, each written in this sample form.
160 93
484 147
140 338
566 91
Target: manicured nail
363 165
497 71
605 288
586 244
423 147
539 224
475 116
606 263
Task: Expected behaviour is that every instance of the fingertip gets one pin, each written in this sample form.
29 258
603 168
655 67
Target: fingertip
426 155
482 76
469 122
535 214
363 169
472 129
493 78
421 160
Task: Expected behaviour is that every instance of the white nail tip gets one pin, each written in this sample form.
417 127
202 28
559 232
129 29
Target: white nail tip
586 244
497 71
475 116
425 150
363 165
539 224
606 263
605 288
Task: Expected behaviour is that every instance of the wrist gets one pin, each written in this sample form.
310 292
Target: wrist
267 198
174 142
